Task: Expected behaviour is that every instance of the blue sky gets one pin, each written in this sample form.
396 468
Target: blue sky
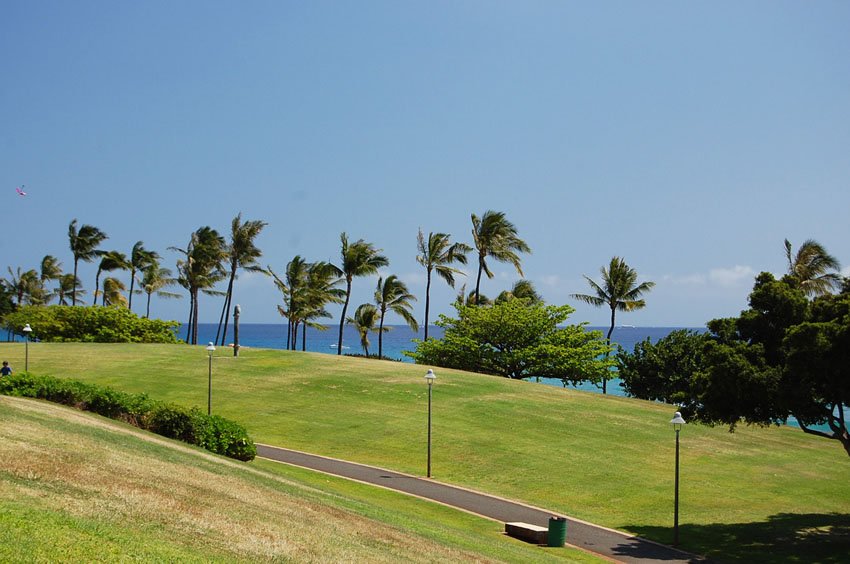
690 138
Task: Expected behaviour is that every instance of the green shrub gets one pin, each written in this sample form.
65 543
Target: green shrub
213 433
90 324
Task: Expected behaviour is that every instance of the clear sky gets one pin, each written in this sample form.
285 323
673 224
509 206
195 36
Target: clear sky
690 138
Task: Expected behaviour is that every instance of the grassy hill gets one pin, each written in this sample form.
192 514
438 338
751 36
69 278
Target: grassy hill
75 487
748 496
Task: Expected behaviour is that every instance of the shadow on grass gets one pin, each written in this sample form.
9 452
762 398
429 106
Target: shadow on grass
785 537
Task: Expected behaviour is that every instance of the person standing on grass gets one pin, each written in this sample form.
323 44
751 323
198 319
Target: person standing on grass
6 370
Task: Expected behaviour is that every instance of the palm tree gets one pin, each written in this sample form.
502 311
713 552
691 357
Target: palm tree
109 262
24 285
51 269
522 289
619 290
358 259
437 253
241 253
322 281
293 288
68 289
494 236
813 268
140 259
391 294
200 271
154 279
112 288
365 317
83 243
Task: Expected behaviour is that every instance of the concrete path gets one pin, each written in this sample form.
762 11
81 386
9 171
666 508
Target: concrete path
615 545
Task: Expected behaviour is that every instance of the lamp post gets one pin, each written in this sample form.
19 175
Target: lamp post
27 330
237 311
429 377
210 351
677 423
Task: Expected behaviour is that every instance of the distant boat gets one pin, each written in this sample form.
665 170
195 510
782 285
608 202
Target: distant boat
627 326
343 346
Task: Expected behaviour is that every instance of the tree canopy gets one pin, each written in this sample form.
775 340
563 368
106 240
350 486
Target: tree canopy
517 340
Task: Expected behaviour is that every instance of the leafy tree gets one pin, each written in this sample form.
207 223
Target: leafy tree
322 281
26 286
154 281
783 357
522 289
243 253
436 254
140 259
294 290
91 324
84 243
391 294
364 320
200 270
517 340
814 269
110 261
358 259
495 237
619 290
69 287
51 269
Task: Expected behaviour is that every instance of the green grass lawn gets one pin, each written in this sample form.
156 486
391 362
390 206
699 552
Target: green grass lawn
747 496
75 487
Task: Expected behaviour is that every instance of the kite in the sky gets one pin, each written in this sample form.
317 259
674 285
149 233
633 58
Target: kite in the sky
20 190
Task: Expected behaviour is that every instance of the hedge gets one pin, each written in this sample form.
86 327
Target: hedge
215 434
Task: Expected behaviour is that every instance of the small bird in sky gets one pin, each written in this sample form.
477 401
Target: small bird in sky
20 190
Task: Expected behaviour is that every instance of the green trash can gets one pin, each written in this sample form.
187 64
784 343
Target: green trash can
557 535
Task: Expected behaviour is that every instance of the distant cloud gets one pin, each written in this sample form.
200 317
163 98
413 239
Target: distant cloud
728 277
723 277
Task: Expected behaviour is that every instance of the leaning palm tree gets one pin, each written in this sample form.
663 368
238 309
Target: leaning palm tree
391 294
436 254
293 287
112 296
364 320
26 286
241 253
199 271
619 290
83 243
814 269
109 262
140 259
322 289
51 269
496 237
68 287
358 259
154 279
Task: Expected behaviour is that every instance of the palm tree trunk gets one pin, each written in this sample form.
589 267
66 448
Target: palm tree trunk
304 337
74 294
132 284
225 311
96 287
381 335
295 337
189 324
342 317
427 302
195 321
610 332
288 334
478 279
148 308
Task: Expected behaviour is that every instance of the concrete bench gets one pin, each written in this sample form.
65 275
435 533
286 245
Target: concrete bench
527 532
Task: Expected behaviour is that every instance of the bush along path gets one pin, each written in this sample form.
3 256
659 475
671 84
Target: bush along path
211 432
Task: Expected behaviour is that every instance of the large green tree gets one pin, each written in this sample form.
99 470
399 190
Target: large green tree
495 237
517 340
364 321
436 254
619 290
154 280
242 252
785 356
357 259
84 243
392 295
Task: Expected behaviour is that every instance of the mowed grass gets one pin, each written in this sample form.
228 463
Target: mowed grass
748 496
75 487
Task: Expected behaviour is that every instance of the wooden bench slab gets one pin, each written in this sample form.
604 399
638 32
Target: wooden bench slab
527 532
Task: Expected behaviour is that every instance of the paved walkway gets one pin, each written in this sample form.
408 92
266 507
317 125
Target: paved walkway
612 544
